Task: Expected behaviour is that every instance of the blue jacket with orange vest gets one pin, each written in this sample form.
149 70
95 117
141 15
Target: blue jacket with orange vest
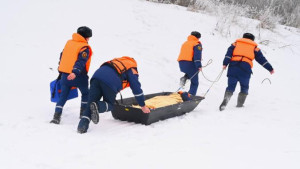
191 51
240 55
115 80
76 58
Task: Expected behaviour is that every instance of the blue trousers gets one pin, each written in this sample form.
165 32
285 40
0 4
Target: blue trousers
81 83
97 91
244 83
190 69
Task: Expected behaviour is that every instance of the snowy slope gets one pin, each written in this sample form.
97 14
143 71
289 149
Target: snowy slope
264 134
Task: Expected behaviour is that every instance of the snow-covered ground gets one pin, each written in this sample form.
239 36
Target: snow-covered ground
265 134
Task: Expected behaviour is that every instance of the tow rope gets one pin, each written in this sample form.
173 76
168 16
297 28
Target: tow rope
266 79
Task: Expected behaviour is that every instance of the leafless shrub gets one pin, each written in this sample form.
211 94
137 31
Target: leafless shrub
203 5
286 12
269 12
162 1
267 20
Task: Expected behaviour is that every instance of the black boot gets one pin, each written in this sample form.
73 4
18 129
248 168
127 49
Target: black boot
183 80
83 125
94 112
81 112
241 99
56 118
226 99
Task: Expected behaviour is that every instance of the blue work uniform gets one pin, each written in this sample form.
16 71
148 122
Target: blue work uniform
240 71
106 83
81 81
190 68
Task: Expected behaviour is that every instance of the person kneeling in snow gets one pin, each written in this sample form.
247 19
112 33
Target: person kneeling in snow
112 77
239 56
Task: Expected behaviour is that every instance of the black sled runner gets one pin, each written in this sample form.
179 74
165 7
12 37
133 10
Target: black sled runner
124 111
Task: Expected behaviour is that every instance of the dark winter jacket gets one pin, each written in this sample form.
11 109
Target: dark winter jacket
79 69
109 76
241 67
188 66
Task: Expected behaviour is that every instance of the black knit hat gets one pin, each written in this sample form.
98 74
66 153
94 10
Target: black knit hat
196 34
249 36
84 31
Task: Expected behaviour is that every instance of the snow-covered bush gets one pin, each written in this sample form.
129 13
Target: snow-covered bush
162 1
227 16
267 19
294 18
269 12
185 3
203 5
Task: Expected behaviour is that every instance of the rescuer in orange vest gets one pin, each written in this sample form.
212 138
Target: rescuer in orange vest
240 56
189 61
74 65
112 77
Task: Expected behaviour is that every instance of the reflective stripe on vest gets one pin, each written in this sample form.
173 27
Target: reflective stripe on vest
70 53
187 49
121 65
244 51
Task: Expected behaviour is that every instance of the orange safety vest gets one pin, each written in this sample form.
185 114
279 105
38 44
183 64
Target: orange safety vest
187 49
70 53
121 65
244 51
